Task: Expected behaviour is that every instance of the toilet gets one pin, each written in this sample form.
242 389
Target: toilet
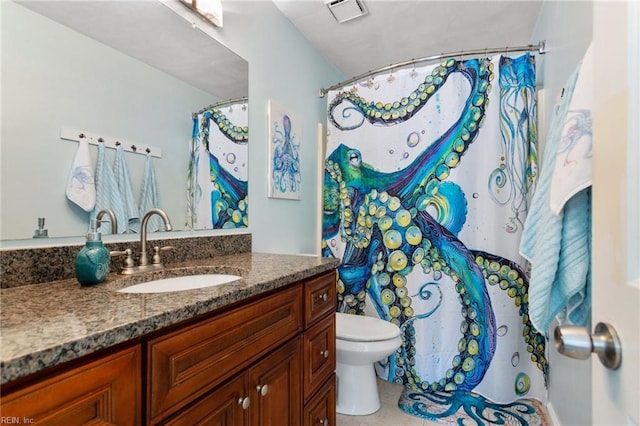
360 342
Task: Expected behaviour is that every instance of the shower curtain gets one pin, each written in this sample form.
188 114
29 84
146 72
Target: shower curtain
427 178
217 175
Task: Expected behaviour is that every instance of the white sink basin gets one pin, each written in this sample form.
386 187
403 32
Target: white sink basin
190 282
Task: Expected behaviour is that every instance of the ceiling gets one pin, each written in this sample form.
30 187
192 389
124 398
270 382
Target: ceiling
154 33
395 31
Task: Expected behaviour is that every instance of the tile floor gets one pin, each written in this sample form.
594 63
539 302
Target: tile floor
389 413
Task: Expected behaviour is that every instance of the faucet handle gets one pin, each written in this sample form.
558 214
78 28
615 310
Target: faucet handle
128 261
156 254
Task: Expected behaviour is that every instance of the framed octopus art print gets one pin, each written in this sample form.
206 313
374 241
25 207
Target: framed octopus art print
284 170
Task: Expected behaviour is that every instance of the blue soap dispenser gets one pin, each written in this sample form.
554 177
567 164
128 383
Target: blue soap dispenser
92 263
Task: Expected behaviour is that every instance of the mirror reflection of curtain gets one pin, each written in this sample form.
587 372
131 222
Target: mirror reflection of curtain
218 174
427 180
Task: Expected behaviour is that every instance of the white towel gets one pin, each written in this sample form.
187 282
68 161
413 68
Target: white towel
121 173
149 198
107 193
81 185
572 172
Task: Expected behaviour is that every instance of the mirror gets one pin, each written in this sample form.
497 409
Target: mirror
130 71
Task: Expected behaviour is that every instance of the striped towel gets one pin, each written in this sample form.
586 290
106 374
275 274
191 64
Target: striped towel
149 198
121 173
558 245
107 193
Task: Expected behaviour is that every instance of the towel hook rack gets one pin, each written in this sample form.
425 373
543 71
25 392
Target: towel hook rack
71 134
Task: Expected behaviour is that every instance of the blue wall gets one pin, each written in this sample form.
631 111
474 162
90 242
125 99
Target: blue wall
283 67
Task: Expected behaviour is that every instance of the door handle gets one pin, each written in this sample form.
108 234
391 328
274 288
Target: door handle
576 342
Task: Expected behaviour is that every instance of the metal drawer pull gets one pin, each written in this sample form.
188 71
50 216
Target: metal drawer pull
244 402
324 422
263 390
325 353
324 297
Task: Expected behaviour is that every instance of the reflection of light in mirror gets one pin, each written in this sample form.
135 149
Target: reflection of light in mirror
210 10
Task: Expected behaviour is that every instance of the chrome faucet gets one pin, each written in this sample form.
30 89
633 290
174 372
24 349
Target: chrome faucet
144 259
112 217
143 264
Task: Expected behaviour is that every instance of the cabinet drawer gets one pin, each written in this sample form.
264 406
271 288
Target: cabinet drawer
106 391
320 297
185 364
321 410
319 354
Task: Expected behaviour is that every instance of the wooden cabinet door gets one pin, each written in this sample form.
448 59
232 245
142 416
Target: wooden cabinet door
102 392
276 387
319 354
321 410
221 407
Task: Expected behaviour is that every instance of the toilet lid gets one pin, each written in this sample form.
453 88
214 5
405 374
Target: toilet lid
361 328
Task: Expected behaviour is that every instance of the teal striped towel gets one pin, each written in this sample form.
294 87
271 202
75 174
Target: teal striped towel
121 173
107 193
558 246
149 198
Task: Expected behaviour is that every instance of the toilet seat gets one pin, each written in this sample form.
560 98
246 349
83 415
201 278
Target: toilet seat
359 328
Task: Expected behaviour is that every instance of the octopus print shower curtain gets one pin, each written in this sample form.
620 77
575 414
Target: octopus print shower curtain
217 178
427 178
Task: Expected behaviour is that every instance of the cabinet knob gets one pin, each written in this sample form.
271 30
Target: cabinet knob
324 297
244 402
325 353
262 389
324 422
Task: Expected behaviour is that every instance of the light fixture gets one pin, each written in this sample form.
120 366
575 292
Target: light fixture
346 10
211 10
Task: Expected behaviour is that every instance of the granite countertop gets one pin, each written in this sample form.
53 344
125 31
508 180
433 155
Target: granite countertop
47 324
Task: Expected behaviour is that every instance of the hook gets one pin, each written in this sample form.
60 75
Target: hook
148 151
81 135
460 63
100 140
133 148
117 143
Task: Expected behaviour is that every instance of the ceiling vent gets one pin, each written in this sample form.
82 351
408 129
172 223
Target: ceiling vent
346 10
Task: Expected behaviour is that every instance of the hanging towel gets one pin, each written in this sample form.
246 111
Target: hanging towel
572 171
81 188
107 193
558 246
121 173
149 196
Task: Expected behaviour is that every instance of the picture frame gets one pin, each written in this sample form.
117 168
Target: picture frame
284 168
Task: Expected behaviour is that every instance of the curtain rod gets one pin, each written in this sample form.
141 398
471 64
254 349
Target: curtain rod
221 103
540 48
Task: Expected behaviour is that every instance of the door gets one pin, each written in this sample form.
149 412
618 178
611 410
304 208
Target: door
276 388
616 212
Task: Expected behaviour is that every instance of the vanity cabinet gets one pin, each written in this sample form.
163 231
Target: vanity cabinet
102 391
268 393
267 361
191 361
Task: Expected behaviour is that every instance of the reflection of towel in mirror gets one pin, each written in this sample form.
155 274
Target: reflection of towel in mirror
107 193
81 185
149 196
121 173
558 245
